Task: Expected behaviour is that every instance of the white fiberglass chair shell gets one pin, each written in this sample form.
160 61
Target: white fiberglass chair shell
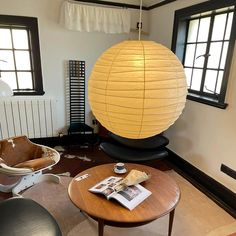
20 157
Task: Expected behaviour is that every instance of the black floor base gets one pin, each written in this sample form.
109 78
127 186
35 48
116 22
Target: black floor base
73 139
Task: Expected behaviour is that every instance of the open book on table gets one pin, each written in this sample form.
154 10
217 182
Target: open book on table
129 197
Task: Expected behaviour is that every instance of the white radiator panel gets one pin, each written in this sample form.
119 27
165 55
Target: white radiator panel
35 118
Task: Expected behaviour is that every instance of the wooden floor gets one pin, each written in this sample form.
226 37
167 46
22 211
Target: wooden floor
195 215
77 158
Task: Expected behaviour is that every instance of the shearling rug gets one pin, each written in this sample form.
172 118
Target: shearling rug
195 215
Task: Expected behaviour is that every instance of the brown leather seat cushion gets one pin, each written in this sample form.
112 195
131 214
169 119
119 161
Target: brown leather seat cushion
18 149
2 161
36 164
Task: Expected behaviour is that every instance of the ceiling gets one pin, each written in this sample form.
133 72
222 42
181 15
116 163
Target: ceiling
146 3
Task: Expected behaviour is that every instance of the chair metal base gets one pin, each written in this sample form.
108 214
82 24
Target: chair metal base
27 181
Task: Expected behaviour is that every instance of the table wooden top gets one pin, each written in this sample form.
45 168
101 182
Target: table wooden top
164 198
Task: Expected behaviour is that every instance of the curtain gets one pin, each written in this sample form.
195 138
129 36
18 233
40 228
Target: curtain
89 18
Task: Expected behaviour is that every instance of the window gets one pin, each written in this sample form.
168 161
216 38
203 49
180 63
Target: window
203 39
20 64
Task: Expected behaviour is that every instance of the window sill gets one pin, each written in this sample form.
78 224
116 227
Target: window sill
28 93
207 101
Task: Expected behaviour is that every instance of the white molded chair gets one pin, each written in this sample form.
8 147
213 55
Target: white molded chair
20 157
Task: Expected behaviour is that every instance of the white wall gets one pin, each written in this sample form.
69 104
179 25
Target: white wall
58 45
204 136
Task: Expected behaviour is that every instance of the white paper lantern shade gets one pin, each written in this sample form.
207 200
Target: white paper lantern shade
137 89
5 89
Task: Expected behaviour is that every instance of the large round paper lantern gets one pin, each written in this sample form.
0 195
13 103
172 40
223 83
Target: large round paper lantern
5 89
137 89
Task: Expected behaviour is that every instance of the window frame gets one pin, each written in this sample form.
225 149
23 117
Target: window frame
31 25
180 32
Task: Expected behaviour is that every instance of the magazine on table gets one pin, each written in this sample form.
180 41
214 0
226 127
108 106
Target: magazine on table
129 196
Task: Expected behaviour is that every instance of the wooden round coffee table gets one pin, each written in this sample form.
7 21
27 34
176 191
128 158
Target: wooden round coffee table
165 197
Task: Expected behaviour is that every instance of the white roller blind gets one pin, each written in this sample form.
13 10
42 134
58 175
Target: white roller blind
88 18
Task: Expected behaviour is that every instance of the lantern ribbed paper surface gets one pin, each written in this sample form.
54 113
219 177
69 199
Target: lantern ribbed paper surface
137 89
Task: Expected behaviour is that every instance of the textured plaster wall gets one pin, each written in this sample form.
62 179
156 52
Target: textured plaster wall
204 136
59 45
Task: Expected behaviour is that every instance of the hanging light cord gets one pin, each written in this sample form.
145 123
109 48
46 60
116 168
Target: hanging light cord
2 61
140 20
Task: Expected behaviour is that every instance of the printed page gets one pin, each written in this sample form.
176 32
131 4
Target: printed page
107 186
131 196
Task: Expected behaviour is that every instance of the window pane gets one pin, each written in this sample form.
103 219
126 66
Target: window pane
10 78
200 55
19 46
210 81
22 60
196 80
229 25
192 31
204 29
25 80
5 38
188 73
224 54
214 58
7 55
189 55
219 27
219 82
20 39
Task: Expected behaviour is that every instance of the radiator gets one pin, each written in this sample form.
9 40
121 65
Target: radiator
34 118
